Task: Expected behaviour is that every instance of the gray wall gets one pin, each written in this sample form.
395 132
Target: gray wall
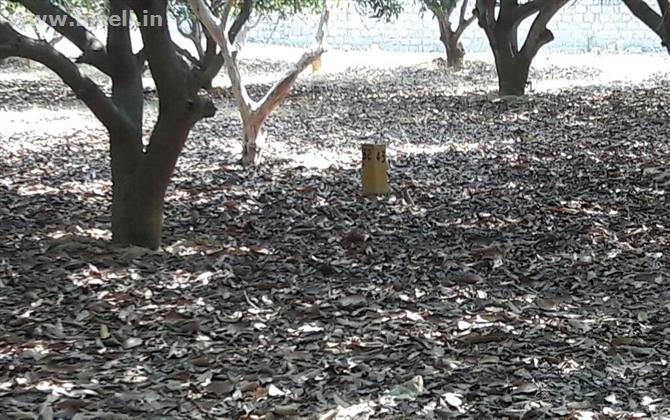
582 25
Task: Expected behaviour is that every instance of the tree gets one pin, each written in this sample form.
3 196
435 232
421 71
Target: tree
253 113
513 63
189 26
442 10
659 23
140 174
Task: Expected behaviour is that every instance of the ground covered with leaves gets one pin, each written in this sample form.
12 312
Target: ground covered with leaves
518 269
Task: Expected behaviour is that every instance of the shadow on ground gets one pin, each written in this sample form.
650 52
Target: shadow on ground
519 267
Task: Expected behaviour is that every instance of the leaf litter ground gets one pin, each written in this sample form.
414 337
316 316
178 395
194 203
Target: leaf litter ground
518 269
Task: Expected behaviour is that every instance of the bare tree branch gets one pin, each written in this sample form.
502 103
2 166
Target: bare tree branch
485 10
93 51
664 6
187 55
124 68
12 43
218 32
539 35
526 10
464 7
647 15
279 91
240 20
167 69
462 22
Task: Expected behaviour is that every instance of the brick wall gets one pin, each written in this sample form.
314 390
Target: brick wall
582 25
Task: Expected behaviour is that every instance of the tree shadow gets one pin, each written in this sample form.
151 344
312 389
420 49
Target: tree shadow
519 263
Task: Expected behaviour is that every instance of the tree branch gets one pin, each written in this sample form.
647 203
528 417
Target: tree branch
187 55
506 12
462 22
539 35
240 20
485 11
167 69
193 35
124 69
664 6
12 43
211 63
93 51
526 10
278 92
218 32
461 16
647 15
443 22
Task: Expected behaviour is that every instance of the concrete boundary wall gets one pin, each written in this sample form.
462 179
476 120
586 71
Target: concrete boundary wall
581 26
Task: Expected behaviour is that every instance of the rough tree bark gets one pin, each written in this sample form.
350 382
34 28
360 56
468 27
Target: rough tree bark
448 36
512 62
140 175
254 113
659 23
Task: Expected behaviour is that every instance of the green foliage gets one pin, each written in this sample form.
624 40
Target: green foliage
432 5
380 9
181 11
391 9
286 7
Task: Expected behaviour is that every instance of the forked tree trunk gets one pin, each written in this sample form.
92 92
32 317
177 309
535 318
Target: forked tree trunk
500 21
139 177
450 38
253 113
512 66
139 183
450 41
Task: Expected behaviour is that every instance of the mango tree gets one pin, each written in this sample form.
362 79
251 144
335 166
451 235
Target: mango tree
501 28
140 173
253 113
449 36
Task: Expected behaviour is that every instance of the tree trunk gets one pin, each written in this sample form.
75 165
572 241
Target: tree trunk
512 73
137 213
512 65
455 52
139 183
501 27
449 38
253 141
